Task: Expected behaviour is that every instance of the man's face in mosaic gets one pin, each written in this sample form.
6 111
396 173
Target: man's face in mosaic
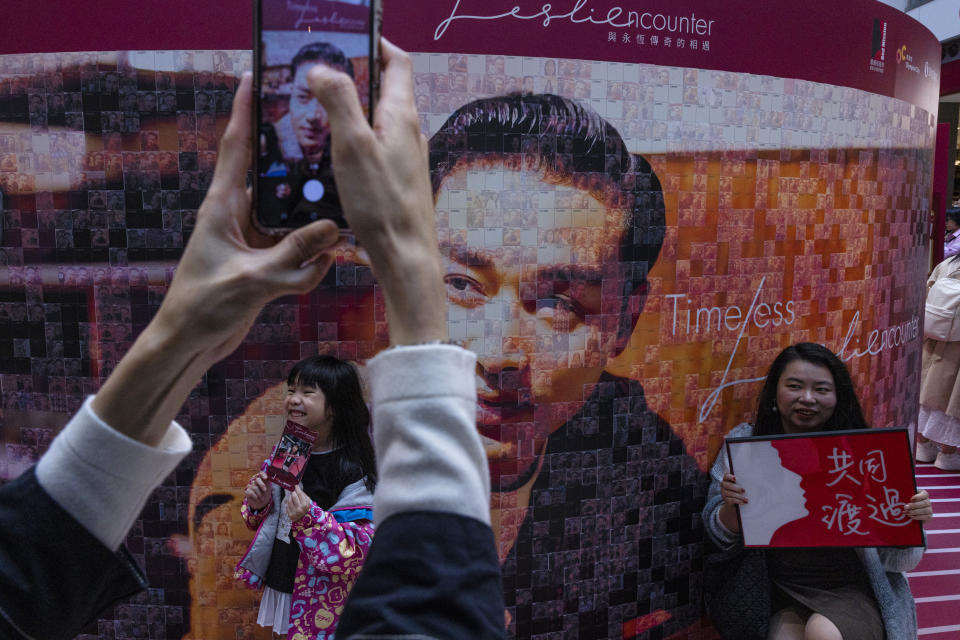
534 286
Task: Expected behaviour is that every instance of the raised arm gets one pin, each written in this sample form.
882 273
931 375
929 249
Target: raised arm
228 272
433 569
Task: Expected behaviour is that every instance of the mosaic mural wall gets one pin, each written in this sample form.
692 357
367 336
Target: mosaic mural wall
624 300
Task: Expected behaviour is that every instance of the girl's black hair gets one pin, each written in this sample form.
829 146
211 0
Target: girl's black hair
350 432
846 415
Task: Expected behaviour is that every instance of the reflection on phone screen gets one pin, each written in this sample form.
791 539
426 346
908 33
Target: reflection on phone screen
294 181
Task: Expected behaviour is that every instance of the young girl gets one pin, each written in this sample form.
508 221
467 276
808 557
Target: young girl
824 593
311 543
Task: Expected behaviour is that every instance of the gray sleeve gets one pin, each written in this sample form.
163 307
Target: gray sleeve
900 559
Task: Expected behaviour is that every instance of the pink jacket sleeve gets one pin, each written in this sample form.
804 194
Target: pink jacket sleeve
251 519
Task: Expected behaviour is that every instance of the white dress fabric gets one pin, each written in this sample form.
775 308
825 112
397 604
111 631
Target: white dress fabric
275 605
938 426
275 610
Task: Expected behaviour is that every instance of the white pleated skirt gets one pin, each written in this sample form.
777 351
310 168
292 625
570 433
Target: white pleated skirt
275 610
938 426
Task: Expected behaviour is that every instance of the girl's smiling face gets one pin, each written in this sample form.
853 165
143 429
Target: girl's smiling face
307 406
806 397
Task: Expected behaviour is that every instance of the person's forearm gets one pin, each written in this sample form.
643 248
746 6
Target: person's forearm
384 182
225 276
901 559
951 247
144 393
414 299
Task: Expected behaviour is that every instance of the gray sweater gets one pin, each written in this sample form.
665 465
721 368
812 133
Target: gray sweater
883 566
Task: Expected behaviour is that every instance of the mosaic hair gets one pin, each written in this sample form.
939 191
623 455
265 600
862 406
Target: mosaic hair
567 143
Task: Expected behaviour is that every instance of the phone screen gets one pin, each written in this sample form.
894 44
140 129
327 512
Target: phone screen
294 182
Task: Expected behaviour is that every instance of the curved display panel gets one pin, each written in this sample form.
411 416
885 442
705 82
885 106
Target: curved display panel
637 210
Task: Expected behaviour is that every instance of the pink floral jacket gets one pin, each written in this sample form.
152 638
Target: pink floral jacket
333 546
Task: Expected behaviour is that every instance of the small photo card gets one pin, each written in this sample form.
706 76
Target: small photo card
291 455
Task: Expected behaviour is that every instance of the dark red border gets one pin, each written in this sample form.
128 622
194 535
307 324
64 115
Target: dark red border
950 78
126 25
810 40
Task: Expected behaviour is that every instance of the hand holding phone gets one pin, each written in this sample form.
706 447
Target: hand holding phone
293 175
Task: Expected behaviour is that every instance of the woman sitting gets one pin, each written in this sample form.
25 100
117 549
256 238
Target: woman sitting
824 593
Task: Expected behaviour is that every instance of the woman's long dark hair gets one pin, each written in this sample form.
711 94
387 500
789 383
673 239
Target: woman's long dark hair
846 415
350 432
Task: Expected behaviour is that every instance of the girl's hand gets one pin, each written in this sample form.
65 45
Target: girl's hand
919 507
298 504
731 492
257 493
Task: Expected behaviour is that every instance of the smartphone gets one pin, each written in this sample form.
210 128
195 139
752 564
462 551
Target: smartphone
293 181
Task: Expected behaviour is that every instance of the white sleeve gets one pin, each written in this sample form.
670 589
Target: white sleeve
102 477
429 455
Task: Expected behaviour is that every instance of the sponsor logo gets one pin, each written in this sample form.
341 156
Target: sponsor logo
878 50
907 60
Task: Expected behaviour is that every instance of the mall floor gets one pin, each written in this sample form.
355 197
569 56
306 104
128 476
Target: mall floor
936 580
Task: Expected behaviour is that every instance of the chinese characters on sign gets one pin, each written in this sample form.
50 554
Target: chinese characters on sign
845 513
642 39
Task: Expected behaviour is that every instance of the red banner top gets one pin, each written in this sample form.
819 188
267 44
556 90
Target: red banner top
319 15
122 25
868 45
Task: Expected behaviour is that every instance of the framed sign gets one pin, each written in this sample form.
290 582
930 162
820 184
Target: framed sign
830 489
